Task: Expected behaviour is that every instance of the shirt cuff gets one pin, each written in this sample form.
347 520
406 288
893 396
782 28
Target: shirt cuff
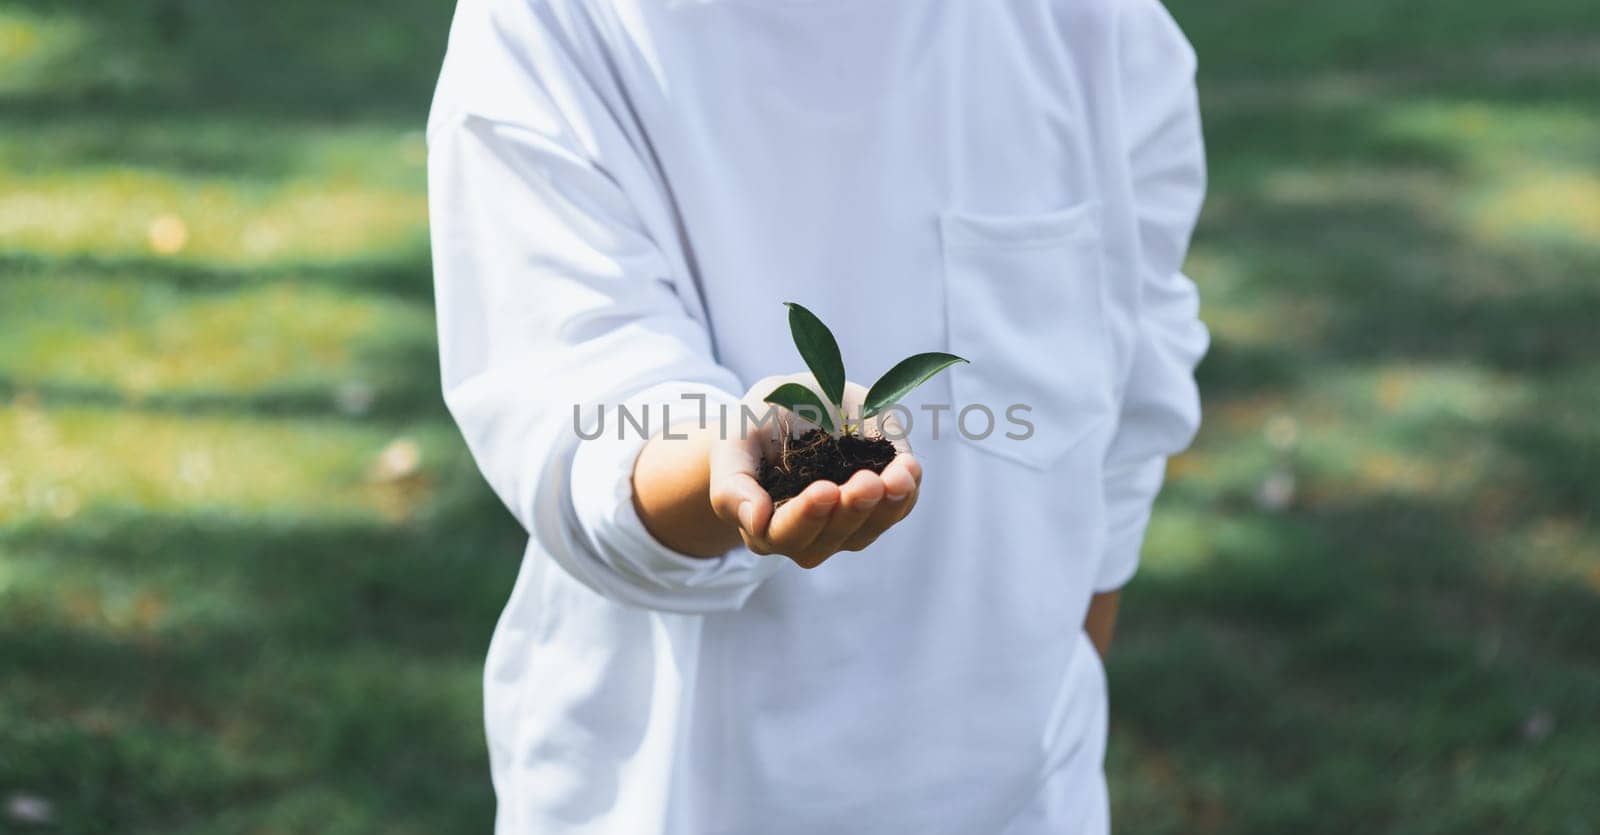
1130 495
653 575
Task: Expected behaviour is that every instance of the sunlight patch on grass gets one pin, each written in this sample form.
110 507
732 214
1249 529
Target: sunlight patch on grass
1224 463
34 46
80 598
1396 429
122 212
1221 274
1184 540
1428 192
1561 548
1531 174
1422 393
1505 178
1235 310
248 151
141 338
62 54
1537 204
1491 134
64 462
1406 430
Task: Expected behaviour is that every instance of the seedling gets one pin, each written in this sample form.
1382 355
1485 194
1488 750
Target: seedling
839 448
821 354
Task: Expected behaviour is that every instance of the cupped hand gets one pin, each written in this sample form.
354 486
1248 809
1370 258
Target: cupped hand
825 518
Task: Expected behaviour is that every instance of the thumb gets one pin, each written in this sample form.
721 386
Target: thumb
738 500
736 496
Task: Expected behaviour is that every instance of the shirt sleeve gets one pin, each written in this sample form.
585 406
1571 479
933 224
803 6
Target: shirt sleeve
555 299
1161 404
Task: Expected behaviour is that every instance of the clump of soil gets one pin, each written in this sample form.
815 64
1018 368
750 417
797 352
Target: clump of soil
818 456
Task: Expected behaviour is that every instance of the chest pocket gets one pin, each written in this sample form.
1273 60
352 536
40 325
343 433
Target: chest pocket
1024 304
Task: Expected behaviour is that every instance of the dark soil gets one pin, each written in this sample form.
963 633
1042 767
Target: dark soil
818 456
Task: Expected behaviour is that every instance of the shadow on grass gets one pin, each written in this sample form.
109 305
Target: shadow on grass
406 276
1556 439
293 58
1234 370
401 386
1316 202
1250 38
1371 661
1378 670
297 676
1452 298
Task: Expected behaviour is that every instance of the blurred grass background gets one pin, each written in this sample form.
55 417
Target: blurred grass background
247 573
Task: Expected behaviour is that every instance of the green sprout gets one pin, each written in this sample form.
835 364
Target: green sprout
821 354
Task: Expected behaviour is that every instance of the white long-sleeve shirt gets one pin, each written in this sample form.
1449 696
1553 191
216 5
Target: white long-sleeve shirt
622 193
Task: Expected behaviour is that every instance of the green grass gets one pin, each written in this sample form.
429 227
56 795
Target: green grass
247 573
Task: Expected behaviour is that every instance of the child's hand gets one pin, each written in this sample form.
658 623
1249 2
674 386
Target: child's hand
825 518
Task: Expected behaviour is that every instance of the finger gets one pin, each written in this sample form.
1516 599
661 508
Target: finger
738 500
901 478
736 497
885 517
800 520
859 497
911 464
902 481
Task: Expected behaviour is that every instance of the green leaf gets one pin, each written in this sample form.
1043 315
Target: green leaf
900 380
820 351
803 402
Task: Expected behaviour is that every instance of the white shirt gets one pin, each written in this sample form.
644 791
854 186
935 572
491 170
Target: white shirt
622 193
